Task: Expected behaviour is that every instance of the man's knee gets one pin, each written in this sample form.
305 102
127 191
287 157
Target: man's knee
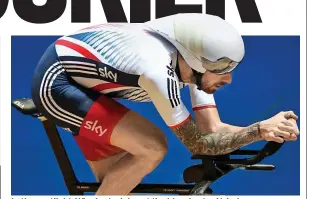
158 145
141 138
155 149
152 151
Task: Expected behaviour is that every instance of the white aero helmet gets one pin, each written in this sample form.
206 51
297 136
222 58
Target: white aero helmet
206 42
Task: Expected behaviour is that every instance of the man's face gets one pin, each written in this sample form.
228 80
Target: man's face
212 82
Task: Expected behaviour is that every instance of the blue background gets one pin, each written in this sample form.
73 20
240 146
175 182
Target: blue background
266 82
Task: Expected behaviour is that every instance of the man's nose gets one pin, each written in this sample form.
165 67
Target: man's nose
228 78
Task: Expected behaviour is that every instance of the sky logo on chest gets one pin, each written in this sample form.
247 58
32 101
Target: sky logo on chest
107 74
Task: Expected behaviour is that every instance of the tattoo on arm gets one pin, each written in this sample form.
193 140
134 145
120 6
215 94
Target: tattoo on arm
217 143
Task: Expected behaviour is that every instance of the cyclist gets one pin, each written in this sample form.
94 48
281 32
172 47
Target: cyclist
80 77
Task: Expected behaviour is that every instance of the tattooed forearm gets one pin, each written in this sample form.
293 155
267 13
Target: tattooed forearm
217 143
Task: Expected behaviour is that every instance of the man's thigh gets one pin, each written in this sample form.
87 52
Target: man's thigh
118 130
133 134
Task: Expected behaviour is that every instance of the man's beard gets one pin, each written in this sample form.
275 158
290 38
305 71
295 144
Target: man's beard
211 89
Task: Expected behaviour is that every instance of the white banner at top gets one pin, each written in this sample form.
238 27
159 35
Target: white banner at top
57 17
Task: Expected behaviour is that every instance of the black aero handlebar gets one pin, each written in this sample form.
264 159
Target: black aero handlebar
269 149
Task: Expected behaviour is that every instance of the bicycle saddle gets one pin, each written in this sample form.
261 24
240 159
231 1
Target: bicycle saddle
25 106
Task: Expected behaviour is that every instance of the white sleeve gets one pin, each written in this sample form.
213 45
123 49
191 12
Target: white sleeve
162 87
201 99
